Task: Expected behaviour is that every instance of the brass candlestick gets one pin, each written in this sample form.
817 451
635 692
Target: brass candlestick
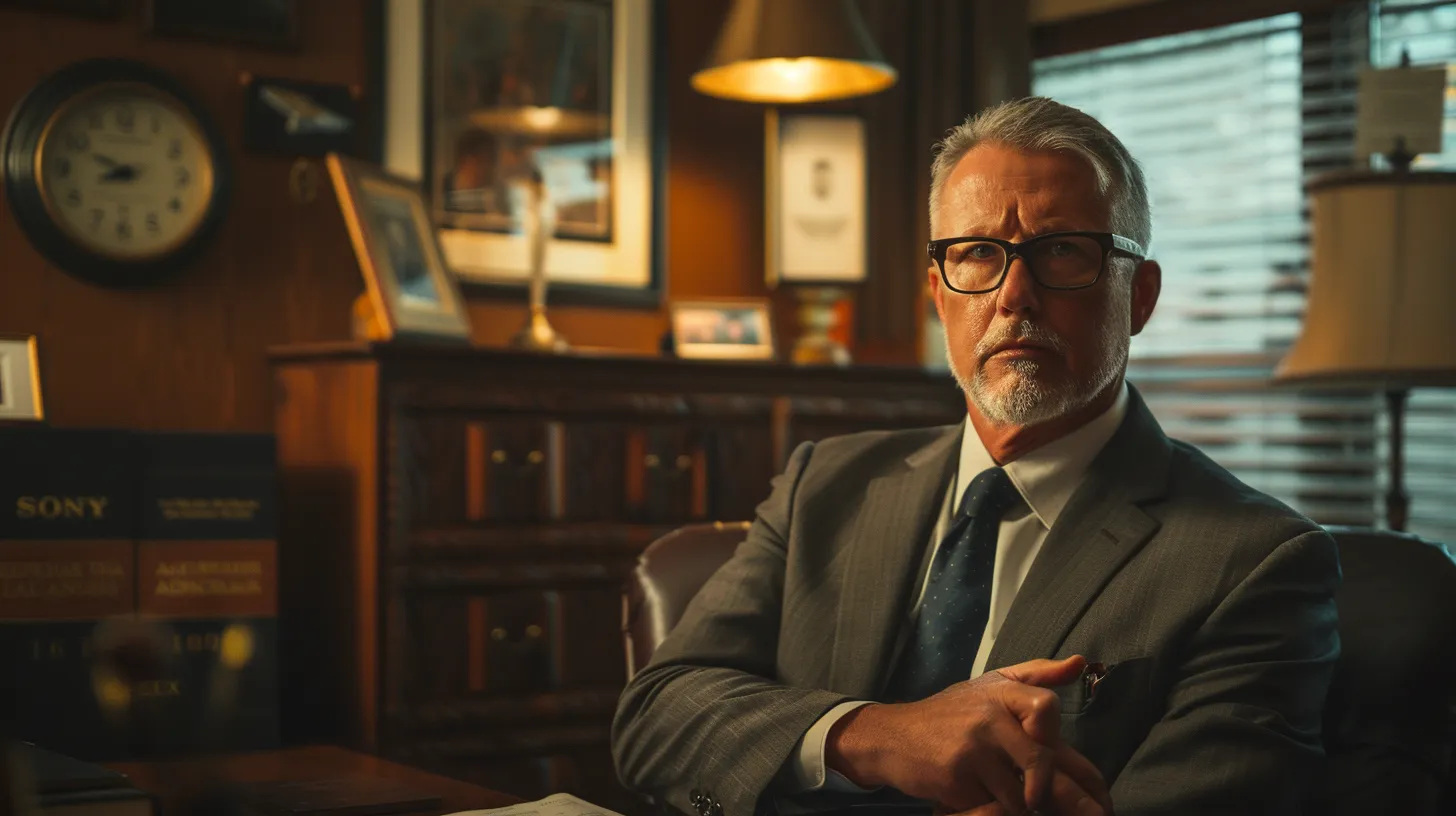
539 221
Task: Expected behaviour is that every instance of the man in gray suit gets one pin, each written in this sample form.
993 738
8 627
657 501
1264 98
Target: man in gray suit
1051 605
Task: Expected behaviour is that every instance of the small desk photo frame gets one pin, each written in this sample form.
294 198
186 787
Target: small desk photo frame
409 290
723 329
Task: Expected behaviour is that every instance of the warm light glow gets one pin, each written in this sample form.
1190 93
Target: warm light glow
788 81
533 119
541 118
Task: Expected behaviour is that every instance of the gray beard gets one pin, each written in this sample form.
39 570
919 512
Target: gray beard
1028 395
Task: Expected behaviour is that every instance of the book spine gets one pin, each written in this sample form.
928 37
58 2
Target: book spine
207 575
67 565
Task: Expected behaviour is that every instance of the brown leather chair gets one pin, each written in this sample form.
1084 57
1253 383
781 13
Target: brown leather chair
669 573
1390 721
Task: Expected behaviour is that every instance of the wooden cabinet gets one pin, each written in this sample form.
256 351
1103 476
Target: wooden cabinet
456 525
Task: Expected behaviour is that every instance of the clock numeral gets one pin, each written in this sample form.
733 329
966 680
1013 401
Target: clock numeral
125 118
78 140
63 168
154 223
73 197
183 177
175 205
174 149
97 216
156 124
123 230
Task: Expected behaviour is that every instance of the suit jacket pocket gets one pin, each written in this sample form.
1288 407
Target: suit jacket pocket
1108 726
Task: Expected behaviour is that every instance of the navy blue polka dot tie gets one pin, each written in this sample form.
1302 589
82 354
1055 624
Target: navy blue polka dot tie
947 633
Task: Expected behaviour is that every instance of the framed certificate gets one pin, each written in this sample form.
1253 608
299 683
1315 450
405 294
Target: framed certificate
816 204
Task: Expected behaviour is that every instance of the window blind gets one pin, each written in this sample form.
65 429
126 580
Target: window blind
1428 31
1228 124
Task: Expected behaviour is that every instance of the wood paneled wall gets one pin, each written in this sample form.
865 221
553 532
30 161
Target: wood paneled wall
191 353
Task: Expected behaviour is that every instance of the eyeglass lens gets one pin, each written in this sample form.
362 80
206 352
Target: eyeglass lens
1064 262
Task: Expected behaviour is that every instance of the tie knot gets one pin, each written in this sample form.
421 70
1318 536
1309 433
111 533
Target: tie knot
991 492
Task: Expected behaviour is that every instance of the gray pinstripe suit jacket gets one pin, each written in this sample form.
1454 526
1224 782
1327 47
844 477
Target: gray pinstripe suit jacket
1212 603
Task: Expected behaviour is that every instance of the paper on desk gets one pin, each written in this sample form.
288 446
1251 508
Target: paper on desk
557 804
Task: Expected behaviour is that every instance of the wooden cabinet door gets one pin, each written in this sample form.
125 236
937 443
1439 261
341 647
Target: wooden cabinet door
453 469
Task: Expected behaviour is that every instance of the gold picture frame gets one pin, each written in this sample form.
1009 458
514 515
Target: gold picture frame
411 290
20 393
723 329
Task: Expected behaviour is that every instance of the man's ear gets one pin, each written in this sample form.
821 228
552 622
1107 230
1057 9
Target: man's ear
1147 284
937 292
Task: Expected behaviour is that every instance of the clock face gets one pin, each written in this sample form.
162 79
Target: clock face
125 171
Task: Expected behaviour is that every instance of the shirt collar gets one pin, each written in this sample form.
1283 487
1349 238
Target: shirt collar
1048 476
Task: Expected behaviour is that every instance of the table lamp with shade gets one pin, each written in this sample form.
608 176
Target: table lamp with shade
1381 309
789 52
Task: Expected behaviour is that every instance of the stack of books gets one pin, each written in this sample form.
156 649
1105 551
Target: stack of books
138 591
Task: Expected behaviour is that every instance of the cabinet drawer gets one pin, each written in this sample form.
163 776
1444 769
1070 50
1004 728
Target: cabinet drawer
460 645
452 469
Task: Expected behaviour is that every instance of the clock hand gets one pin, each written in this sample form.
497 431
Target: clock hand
106 160
122 172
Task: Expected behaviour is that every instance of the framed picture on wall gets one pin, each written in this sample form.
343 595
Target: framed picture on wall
267 23
728 329
563 92
407 283
816 203
88 8
20 398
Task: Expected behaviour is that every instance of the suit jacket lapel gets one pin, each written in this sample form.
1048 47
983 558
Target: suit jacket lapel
1100 528
889 539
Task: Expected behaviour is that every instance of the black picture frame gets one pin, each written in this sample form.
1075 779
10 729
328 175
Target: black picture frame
648 296
264 23
292 118
100 9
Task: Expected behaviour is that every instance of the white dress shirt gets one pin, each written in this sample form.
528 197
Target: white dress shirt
1046 478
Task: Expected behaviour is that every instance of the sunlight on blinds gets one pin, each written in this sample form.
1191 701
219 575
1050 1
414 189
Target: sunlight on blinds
1214 118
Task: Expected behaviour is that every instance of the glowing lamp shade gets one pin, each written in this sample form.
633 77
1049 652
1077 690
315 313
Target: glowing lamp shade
1381 310
794 51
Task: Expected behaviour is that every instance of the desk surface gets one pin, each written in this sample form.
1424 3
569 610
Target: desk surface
171 779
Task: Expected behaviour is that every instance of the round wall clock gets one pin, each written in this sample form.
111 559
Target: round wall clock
114 172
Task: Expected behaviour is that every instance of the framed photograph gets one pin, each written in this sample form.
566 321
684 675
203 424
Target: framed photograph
563 92
19 378
268 23
292 118
407 282
739 329
815 184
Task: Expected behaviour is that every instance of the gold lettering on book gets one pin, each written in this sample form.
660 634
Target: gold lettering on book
214 509
60 579
158 688
209 578
55 507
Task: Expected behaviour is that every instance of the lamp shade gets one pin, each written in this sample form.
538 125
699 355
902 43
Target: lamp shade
1382 298
794 51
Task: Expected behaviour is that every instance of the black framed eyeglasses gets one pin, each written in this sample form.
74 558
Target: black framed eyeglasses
975 264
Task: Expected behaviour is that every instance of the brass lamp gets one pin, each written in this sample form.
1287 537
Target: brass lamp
794 51
1381 295
779 52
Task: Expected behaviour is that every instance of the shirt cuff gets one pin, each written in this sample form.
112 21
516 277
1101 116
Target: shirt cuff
807 770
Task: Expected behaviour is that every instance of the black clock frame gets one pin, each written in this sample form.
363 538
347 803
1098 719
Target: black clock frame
21 139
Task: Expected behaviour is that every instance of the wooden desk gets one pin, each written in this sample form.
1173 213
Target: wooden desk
169 780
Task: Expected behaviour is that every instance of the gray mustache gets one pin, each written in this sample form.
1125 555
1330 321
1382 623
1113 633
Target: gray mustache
1025 330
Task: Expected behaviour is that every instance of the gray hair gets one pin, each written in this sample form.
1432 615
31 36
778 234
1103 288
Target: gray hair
1038 123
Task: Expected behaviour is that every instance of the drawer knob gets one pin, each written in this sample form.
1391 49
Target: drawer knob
651 460
498 633
684 462
499 457
534 631
535 457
